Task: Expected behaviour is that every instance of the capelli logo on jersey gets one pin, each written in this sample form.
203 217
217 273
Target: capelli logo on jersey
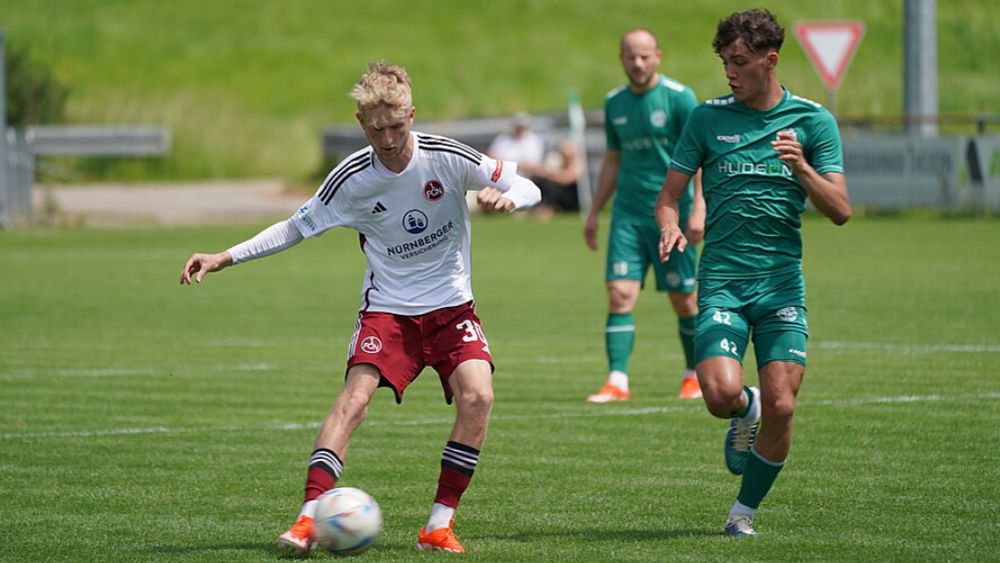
415 221
433 191
733 139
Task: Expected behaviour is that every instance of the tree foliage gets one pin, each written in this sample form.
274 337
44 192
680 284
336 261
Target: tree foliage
34 94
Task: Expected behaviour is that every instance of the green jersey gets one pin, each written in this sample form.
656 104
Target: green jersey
644 129
753 201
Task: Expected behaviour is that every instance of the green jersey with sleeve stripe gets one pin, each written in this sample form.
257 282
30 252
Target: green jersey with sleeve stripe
753 201
644 129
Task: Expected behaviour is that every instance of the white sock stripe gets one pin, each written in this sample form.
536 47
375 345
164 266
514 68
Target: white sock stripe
468 458
619 328
461 462
471 457
331 461
327 459
767 461
336 470
326 455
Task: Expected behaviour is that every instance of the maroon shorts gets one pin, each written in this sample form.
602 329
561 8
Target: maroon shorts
401 346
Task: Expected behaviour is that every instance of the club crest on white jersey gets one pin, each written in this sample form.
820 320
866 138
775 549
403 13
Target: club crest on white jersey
433 191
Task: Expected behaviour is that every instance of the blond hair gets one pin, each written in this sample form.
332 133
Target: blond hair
384 84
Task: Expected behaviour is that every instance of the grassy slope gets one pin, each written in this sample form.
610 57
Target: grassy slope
144 421
247 86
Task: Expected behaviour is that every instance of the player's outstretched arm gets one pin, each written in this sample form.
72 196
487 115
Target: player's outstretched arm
667 212
199 264
271 240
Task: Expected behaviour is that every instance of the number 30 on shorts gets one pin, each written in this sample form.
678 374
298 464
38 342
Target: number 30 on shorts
473 333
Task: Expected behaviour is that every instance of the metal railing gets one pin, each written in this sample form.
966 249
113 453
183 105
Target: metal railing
19 151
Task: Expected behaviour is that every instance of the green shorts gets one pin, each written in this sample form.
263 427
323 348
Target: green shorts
633 245
772 309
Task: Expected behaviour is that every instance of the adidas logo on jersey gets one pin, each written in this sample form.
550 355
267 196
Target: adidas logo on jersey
379 208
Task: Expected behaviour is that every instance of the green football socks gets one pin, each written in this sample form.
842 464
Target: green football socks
685 327
758 477
619 337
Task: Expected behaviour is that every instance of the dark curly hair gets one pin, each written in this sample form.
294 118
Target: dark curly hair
758 28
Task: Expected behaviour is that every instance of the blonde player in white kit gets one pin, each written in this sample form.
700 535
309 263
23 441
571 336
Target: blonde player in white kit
405 195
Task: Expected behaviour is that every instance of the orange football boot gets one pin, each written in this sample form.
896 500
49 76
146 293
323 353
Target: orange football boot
690 388
608 393
298 540
443 539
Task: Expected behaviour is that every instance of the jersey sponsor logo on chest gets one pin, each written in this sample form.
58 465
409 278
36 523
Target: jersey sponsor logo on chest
415 221
424 243
772 168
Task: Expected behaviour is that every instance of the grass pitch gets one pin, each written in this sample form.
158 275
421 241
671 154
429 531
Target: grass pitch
143 421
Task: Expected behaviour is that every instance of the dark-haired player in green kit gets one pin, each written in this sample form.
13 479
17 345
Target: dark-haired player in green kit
762 151
642 121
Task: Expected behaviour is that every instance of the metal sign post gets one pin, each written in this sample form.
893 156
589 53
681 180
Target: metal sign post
5 187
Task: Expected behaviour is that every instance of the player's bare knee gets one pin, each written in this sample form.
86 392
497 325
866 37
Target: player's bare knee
353 407
718 405
778 409
621 299
476 400
684 304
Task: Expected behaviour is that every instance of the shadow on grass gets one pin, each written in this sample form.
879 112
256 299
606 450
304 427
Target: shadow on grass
236 547
600 535
257 548
593 536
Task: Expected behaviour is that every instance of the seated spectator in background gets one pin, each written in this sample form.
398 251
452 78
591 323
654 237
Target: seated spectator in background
556 177
522 145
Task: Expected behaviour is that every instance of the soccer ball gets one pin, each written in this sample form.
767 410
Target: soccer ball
347 520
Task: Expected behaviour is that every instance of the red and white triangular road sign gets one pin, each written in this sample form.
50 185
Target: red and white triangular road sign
830 46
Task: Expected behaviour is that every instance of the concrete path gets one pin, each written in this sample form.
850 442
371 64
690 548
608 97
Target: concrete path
117 205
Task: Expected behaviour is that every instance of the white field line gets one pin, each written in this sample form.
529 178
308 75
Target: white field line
597 412
898 347
907 347
124 372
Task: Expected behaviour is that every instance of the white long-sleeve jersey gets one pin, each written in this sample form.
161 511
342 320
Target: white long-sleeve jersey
414 226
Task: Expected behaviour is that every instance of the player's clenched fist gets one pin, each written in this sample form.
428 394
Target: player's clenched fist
492 199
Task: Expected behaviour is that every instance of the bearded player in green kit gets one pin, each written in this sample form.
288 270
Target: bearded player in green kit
762 151
642 121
